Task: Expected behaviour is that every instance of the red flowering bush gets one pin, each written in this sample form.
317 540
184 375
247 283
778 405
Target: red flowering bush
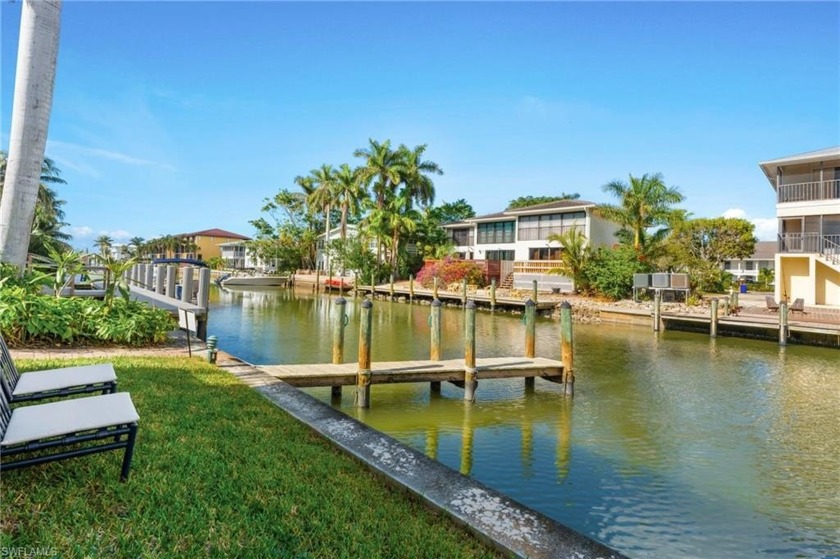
450 270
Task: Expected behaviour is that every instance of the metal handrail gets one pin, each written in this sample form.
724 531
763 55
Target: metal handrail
806 191
831 250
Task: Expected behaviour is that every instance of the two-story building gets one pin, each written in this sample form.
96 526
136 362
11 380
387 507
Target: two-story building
808 209
748 269
515 246
200 245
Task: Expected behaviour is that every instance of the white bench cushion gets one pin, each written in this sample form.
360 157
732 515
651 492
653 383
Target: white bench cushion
66 377
32 423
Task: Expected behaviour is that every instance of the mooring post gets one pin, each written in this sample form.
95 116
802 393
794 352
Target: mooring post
657 301
470 376
492 294
150 277
726 306
530 335
735 302
171 280
783 322
464 291
338 338
567 348
713 323
434 328
202 299
187 285
317 280
363 375
372 285
391 289
435 287
411 289
160 282
534 296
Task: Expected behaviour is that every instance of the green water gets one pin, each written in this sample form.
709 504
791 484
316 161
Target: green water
674 445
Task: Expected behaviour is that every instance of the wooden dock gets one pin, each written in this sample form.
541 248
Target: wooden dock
450 296
451 370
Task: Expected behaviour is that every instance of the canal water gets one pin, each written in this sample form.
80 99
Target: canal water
675 445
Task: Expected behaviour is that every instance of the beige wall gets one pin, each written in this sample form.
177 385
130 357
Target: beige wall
827 285
793 278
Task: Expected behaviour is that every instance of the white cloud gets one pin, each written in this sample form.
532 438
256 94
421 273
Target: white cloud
82 151
119 234
83 232
765 227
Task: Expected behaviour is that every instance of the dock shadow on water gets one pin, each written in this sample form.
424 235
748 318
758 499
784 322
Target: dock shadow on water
674 445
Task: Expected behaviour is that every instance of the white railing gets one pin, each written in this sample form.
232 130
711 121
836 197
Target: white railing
535 266
826 245
806 191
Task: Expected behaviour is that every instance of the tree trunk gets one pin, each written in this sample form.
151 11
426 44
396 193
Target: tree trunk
327 239
34 82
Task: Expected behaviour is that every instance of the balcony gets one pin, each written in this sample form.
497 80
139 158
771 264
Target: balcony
826 245
809 191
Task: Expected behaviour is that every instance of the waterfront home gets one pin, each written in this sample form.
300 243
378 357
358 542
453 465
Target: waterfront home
514 243
762 258
322 256
200 245
237 256
808 209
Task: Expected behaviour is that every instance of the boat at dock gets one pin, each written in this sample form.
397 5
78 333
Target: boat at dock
254 281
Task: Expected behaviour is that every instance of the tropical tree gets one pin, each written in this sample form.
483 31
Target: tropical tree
525 201
574 257
399 218
34 84
104 243
383 169
417 184
646 202
139 245
451 212
324 197
349 194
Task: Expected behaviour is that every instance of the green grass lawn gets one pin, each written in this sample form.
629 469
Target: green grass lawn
218 471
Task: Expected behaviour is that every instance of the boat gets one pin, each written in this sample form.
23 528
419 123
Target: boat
254 281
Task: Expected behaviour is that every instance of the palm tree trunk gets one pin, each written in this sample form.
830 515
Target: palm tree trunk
327 239
34 83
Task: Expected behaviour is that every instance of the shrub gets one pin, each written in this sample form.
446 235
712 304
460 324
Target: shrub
610 270
450 270
26 317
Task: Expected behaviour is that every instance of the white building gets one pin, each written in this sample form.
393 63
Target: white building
763 258
515 246
808 208
237 256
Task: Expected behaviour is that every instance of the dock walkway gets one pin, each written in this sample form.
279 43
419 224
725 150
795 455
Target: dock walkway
328 374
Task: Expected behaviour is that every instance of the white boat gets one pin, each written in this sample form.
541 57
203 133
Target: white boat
254 281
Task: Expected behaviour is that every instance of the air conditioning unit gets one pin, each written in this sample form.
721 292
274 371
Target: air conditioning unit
661 281
641 280
679 281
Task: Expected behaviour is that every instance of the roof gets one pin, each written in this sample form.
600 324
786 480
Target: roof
769 167
488 217
765 250
215 233
556 205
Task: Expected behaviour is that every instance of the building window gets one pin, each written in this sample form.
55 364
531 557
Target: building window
546 253
540 227
461 237
750 265
498 232
727 265
500 254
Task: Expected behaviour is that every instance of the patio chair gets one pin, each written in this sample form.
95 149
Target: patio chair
66 381
772 305
798 306
81 424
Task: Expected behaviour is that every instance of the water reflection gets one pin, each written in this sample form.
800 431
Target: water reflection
675 445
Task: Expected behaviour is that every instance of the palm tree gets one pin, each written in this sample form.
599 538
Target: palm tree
417 183
349 194
574 257
646 202
383 167
324 196
34 84
138 244
395 219
104 242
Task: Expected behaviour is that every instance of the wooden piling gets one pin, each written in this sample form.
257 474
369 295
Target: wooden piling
726 306
317 280
372 286
534 296
150 277
470 376
171 280
713 323
340 321
411 289
391 287
530 328
783 322
657 302
434 329
160 282
363 374
493 295
567 349
187 285
435 287
464 292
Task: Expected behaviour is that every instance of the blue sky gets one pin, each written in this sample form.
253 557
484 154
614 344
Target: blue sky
174 117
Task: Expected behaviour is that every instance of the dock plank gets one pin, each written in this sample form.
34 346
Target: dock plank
328 374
